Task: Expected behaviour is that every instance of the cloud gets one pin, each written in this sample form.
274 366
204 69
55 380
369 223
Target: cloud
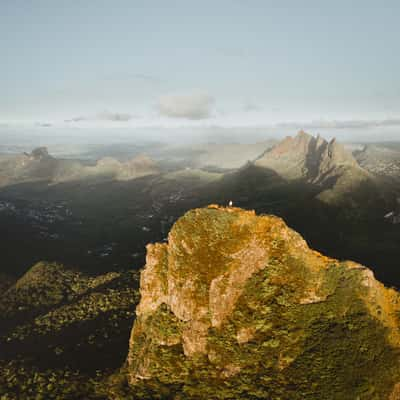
110 116
103 116
76 119
250 106
44 124
188 106
342 124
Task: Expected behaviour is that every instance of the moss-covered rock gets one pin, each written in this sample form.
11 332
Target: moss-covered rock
237 306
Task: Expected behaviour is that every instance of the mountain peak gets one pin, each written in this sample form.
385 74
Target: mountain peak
237 305
334 156
315 160
291 157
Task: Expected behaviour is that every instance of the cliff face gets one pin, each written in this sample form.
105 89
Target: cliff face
238 306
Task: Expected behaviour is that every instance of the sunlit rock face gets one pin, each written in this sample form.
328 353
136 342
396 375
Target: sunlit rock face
237 306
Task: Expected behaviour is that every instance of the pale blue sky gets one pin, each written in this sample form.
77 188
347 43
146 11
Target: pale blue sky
219 62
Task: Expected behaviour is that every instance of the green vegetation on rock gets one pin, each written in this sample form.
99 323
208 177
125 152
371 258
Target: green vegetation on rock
298 326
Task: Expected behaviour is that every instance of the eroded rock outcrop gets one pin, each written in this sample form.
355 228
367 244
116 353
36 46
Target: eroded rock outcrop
238 306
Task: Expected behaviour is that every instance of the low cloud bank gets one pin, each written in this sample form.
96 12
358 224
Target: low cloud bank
187 106
342 124
103 116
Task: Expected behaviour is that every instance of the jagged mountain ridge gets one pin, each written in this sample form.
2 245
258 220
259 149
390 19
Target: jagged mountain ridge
306 156
316 161
237 306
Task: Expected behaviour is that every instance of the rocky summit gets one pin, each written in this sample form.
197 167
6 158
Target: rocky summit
237 306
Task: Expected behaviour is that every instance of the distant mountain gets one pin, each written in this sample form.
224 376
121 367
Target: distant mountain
237 306
306 157
315 161
380 160
34 166
40 166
